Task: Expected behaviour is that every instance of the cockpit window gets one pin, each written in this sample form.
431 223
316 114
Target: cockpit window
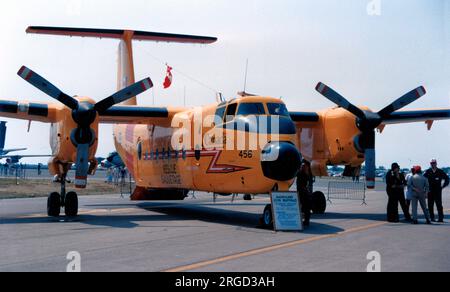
231 112
220 112
247 109
278 109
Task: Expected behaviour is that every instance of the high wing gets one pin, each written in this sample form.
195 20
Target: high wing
399 117
30 111
412 116
130 114
52 113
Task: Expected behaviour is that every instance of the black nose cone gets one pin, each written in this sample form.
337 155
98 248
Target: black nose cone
280 161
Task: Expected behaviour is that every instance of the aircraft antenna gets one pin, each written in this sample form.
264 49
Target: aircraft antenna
246 75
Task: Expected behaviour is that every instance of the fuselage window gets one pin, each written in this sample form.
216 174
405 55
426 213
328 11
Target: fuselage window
247 109
278 109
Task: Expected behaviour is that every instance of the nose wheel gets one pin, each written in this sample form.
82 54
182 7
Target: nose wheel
57 200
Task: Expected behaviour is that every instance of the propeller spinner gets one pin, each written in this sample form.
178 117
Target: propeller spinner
368 122
84 114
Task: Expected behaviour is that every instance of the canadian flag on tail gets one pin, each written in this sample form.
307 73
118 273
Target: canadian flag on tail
169 77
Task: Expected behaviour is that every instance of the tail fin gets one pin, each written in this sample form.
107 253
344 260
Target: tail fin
125 74
125 70
2 135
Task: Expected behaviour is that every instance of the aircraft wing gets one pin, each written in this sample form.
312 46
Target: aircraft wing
30 111
398 117
160 116
49 113
412 116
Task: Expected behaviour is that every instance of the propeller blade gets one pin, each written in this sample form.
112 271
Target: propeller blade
370 155
338 99
45 86
124 94
82 165
403 101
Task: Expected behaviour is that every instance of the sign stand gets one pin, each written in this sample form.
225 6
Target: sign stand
286 211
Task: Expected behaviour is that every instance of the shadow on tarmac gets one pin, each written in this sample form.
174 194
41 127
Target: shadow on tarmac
203 213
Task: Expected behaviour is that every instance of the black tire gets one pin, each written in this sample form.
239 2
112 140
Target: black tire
54 205
71 208
267 219
248 197
319 203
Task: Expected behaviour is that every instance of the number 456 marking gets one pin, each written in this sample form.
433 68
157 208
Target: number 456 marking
248 154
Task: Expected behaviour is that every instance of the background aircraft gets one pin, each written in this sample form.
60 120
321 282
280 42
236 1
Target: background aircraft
344 135
12 159
112 161
3 139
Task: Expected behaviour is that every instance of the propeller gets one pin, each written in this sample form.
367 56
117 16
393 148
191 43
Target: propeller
84 114
368 122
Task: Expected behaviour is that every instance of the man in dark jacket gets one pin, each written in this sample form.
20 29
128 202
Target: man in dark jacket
395 187
304 189
435 177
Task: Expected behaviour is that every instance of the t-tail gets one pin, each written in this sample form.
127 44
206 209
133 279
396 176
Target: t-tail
125 72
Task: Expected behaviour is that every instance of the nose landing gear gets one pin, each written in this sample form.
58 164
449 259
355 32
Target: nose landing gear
58 200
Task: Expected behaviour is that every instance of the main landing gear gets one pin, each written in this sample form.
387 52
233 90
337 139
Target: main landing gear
318 203
69 201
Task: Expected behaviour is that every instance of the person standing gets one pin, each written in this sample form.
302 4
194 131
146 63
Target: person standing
409 176
304 186
435 178
419 189
395 188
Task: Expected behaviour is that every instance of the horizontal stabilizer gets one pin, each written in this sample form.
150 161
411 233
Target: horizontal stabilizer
119 34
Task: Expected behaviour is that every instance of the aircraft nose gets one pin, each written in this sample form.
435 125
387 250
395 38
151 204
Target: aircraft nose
280 161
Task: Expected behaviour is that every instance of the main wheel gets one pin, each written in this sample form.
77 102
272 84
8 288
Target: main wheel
247 197
319 203
267 219
71 207
54 205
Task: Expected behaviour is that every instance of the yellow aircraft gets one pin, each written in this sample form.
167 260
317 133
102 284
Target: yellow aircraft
170 151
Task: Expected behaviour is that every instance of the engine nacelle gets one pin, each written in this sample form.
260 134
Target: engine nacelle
342 136
63 143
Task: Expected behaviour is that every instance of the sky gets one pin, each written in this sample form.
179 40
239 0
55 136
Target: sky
370 58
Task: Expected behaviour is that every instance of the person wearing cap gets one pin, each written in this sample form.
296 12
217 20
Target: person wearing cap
395 187
438 180
419 189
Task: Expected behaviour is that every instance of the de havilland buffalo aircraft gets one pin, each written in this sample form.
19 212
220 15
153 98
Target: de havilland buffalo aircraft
169 152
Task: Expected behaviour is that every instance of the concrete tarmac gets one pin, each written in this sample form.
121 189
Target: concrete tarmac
114 234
